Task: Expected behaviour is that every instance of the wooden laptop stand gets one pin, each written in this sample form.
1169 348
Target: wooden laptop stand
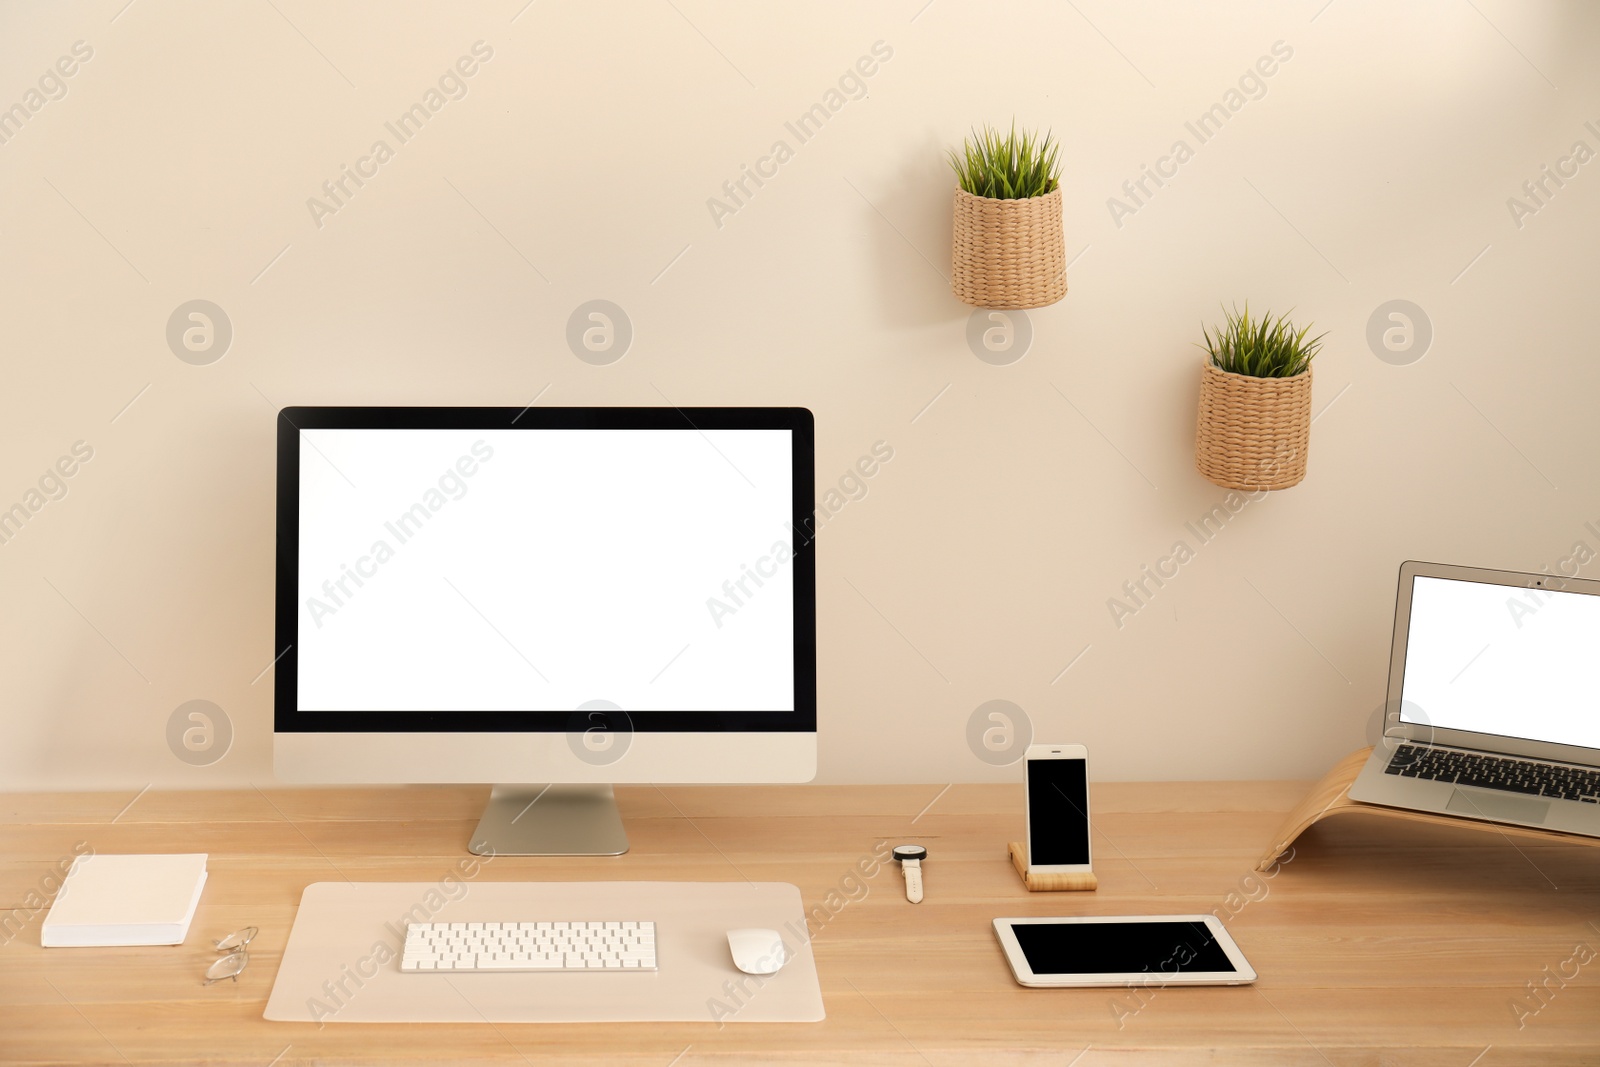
1331 797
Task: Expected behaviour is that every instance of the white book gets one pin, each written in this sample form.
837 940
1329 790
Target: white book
125 900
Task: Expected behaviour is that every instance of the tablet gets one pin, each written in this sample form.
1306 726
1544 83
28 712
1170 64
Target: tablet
1114 950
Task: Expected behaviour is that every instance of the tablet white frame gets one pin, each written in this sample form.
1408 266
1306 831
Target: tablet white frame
1244 975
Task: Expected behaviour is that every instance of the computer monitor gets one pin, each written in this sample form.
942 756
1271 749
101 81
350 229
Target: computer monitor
572 597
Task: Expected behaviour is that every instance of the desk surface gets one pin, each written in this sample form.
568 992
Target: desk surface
1374 935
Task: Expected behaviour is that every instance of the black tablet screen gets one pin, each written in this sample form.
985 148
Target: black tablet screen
1158 948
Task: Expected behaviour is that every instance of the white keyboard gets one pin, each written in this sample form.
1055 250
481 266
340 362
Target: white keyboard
568 946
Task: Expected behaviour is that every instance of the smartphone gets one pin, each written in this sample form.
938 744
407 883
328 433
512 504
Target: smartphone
1058 808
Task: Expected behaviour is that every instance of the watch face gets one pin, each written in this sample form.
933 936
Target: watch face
910 852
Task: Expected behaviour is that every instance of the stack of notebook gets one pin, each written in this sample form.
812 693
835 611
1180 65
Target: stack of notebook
125 900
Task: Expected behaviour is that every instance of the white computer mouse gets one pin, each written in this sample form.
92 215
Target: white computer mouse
757 950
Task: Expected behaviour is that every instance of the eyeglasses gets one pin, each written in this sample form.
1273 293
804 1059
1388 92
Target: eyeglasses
236 947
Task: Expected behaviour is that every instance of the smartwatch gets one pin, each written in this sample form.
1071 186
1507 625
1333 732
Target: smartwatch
911 857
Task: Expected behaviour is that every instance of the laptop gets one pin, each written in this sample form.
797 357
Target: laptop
1494 699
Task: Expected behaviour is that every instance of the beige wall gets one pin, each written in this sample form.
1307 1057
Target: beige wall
1376 165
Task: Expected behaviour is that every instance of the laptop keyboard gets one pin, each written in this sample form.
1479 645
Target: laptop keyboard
1496 772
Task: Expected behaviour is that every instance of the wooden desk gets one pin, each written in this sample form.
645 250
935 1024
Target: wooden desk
1375 935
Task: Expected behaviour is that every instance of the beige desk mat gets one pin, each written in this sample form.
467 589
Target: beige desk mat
342 962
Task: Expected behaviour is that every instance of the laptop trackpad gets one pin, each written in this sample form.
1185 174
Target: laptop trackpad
1489 805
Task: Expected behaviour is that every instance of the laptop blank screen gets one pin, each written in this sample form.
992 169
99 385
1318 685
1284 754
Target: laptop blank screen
1499 659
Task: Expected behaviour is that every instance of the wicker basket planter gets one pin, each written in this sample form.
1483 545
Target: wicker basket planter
1008 253
1253 433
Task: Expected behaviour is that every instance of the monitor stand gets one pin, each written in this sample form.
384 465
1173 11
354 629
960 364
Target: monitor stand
550 820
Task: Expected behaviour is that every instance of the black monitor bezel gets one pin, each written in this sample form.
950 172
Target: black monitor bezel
288 718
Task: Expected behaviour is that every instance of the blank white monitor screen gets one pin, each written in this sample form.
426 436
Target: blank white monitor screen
544 569
1498 659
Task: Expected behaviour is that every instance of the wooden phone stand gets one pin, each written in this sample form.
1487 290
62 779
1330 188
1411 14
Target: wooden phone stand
1331 797
1049 883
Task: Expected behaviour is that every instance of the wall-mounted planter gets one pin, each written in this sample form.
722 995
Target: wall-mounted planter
1008 253
1253 433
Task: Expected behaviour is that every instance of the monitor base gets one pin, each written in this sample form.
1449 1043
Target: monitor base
551 820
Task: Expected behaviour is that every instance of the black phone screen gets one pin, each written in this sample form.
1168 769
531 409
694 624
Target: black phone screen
1058 811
